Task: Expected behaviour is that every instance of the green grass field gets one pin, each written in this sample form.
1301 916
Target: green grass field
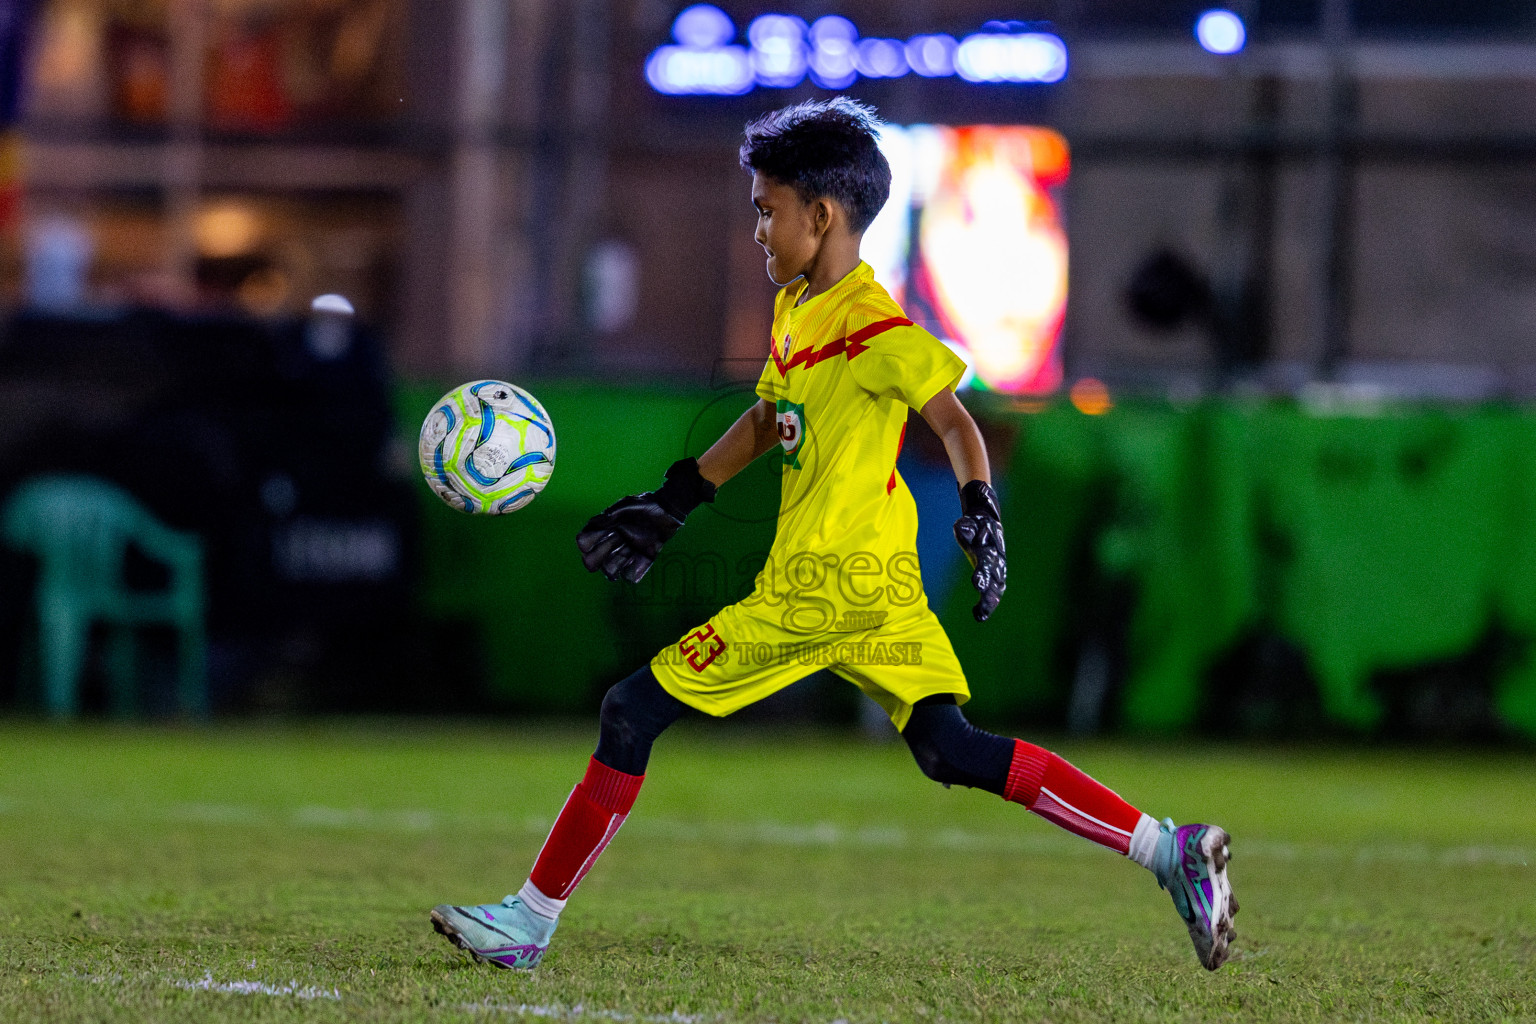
268 873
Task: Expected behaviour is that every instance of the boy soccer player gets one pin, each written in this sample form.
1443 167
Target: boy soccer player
841 586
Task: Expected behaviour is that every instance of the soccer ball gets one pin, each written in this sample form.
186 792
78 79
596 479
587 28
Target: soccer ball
487 447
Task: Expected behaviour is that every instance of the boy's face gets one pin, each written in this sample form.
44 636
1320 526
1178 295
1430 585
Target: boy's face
789 229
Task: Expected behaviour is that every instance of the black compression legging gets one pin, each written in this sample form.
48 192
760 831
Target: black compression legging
951 750
635 711
947 748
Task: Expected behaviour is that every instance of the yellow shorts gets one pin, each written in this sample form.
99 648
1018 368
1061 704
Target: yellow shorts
744 653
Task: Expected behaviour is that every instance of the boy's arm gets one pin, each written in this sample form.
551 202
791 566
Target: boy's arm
979 530
753 433
962 439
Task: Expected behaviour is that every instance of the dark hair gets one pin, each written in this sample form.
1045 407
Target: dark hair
823 148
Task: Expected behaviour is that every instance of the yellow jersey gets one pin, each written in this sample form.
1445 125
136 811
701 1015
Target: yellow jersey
841 588
845 367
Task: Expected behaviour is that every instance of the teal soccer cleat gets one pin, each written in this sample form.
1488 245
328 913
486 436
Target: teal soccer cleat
1192 866
506 934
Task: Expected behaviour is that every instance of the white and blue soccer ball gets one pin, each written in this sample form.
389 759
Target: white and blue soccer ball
487 447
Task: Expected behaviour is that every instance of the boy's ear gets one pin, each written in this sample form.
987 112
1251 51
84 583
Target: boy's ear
823 213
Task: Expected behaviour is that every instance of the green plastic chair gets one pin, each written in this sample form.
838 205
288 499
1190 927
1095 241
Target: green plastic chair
80 527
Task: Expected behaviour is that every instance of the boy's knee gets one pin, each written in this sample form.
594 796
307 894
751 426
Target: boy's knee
932 762
952 752
636 710
616 718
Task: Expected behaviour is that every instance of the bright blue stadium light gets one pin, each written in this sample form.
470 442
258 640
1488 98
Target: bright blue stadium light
703 25
833 42
766 27
932 56
778 50
1006 57
695 71
881 58
703 62
1221 31
783 50
833 29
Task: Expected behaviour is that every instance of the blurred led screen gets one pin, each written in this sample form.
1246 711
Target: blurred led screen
782 50
973 246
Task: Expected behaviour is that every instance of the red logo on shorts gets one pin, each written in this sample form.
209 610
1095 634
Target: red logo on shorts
701 647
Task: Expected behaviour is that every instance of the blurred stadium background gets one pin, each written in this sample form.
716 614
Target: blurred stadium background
1250 296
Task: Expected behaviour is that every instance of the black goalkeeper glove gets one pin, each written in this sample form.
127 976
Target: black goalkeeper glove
624 539
980 533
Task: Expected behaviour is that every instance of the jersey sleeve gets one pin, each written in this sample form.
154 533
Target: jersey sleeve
770 385
908 364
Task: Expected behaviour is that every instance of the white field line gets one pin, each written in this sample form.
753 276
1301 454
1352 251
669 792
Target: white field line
1029 840
207 984
582 1012
548 1012
257 988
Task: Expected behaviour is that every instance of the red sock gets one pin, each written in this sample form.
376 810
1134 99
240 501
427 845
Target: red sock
1061 794
591 815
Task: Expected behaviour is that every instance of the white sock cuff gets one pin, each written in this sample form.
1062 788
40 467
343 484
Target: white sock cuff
536 901
1144 842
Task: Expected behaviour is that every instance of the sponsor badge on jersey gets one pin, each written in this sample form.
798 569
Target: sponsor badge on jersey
790 418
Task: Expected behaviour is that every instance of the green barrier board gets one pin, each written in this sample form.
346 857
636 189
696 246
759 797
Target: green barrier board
1148 547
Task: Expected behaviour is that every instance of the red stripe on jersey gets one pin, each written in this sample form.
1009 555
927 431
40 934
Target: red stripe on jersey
851 346
891 484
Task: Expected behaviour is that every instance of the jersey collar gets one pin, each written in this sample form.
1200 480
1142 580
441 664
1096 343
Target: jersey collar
858 275
797 354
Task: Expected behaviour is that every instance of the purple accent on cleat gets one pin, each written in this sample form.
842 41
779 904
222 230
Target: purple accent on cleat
510 935
1197 875
1193 868
516 956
